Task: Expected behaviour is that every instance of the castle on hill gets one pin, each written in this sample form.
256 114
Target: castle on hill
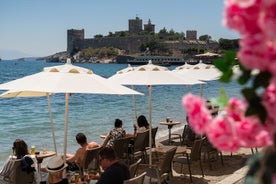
131 42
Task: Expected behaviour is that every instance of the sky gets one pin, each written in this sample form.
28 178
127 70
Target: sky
37 28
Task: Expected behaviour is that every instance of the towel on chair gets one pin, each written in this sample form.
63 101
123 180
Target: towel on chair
26 164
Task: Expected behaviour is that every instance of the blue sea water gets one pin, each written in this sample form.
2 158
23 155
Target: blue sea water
28 118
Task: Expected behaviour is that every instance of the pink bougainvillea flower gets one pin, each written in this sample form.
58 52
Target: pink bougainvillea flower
247 129
240 3
222 134
236 108
264 138
269 101
267 19
242 15
199 116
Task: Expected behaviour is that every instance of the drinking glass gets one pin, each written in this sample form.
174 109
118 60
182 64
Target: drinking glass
33 150
77 177
85 175
44 148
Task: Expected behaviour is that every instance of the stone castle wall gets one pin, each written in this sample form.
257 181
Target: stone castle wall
129 44
76 40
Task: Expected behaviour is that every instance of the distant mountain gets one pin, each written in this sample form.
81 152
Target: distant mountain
12 54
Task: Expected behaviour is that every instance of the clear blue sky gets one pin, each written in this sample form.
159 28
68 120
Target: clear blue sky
39 27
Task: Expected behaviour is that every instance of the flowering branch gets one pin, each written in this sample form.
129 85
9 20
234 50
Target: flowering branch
248 122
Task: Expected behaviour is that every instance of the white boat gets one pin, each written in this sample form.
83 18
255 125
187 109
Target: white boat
157 60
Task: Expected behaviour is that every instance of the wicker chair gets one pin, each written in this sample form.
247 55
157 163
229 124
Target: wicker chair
190 158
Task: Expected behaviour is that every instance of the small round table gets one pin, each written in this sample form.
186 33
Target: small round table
39 158
170 125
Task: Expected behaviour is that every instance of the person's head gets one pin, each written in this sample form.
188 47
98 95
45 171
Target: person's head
209 105
107 157
118 123
55 168
142 121
81 138
20 148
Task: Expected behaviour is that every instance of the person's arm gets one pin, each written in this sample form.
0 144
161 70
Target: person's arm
135 130
72 158
106 139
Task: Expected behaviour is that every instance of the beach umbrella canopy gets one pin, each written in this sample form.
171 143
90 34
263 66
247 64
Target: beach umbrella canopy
66 79
150 75
200 71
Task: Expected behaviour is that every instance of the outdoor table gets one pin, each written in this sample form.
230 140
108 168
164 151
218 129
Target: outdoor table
163 149
39 157
170 125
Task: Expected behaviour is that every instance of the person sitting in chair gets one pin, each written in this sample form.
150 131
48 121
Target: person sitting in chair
115 172
118 132
75 161
143 125
28 162
55 169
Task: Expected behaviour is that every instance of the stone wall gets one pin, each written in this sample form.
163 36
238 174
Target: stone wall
129 44
76 42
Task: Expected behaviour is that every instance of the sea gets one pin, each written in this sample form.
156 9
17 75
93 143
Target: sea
94 115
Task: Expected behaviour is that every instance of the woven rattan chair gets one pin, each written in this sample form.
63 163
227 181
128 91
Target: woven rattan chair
190 158
163 171
121 148
136 180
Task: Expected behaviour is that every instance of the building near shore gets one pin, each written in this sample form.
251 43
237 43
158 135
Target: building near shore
130 42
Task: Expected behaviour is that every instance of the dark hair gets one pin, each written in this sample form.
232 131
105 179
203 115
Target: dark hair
209 105
118 123
142 121
81 138
20 148
107 153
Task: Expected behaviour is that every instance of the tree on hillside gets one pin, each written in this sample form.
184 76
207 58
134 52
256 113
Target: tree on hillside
98 36
154 47
227 44
205 37
99 52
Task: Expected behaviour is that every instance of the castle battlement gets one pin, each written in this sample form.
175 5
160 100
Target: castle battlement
76 40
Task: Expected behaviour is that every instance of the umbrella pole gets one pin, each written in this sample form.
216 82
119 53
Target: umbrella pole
200 90
65 125
150 122
134 104
187 88
52 123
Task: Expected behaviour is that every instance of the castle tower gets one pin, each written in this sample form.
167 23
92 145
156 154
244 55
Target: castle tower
191 35
135 25
72 35
149 27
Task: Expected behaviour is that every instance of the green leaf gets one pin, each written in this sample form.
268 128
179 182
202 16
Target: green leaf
220 64
262 80
255 106
244 78
249 94
225 65
222 100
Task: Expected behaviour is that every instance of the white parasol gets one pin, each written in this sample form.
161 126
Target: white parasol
66 79
200 71
150 75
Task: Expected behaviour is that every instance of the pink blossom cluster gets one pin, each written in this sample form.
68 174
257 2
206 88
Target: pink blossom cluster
230 131
255 21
